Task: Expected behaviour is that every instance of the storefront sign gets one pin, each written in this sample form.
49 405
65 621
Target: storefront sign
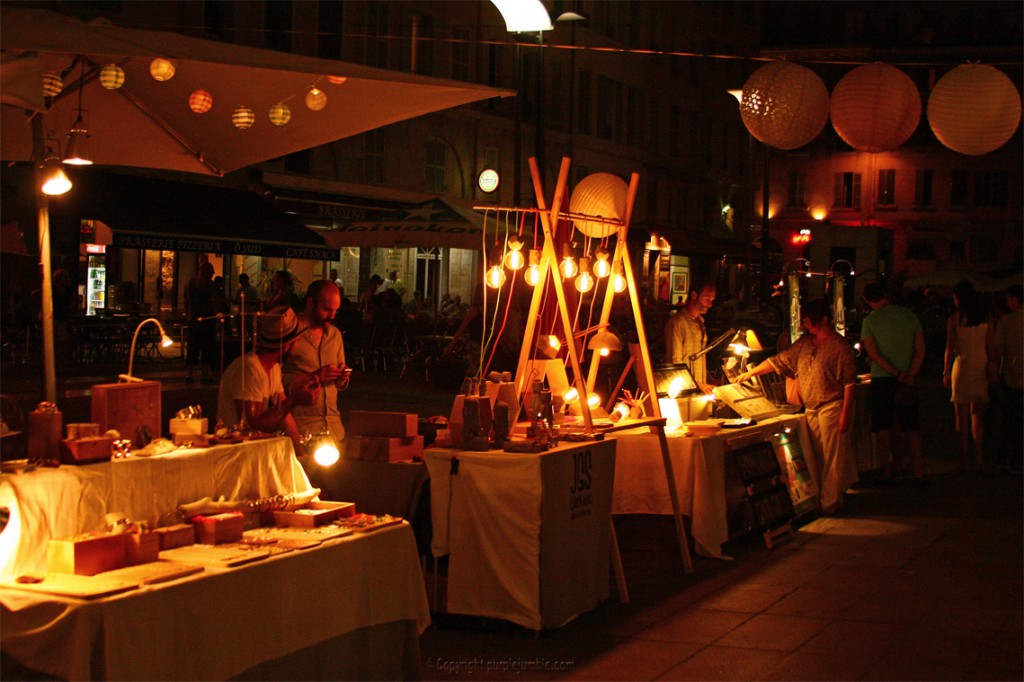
223 246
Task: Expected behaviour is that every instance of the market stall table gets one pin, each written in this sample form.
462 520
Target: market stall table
699 465
70 500
352 608
528 535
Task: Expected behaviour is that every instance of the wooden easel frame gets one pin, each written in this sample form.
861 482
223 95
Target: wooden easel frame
645 375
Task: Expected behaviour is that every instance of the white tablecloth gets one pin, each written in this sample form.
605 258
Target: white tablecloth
71 500
528 535
699 467
223 622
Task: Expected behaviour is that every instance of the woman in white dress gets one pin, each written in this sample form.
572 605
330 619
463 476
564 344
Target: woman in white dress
968 339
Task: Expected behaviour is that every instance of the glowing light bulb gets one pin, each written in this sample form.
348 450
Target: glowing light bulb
593 400
495 276
620 412
570 395
514 259
585 281
618 279
568 266
604 352
533 272
326 453
602 268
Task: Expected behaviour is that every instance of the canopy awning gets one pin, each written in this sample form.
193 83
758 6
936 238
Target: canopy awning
150 213
370 222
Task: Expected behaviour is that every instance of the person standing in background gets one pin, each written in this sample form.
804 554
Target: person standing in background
686 333
319 351
200 302
894 340
337 282
828 374
397 284
1007 370
965 372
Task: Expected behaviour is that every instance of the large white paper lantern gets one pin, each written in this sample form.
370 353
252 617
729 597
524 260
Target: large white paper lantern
974 109
601 195
784 105
875 108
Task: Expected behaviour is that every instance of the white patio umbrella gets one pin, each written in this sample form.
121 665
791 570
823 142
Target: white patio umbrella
148 123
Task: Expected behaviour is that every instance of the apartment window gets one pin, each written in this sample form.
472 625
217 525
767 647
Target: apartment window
959 188
991 189
277 20
460 54
923 188
436 157
847 190
797 190
373 157
583 104
423 58
376 25
609 108
886 187
634 117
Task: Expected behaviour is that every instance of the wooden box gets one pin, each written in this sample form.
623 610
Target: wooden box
219 529
373 449
316 513
389 424
85 450
141 548
190 426
180 535
126 407
87 554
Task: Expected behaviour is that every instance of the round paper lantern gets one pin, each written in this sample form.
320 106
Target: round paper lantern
243 118
337 80
280 114
601 195
52 84
200 101
111 76
875 108
974 109
316 99
784 105
161 69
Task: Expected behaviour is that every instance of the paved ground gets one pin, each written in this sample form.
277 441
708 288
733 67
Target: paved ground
908 584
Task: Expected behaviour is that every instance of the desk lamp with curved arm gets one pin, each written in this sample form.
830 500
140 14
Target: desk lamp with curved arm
165 342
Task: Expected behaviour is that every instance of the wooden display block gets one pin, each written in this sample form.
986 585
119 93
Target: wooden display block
87 554
86 450
316 513
126 407
141 548
180 535
383 424
219 529
189 426
372 449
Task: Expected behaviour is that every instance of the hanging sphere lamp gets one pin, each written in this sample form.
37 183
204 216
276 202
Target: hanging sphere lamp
243 118
875 108
974 109
316 99
111 76
161 69
336 80
200 101
52 84
784 105
601 195
280 114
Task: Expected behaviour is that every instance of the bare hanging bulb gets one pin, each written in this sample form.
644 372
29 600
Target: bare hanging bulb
602 268
618 279
568 266
514 259
585 280
533 273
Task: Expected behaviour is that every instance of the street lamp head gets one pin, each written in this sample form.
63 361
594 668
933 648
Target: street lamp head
523 16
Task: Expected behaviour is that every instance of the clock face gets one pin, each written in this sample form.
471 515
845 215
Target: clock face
488 180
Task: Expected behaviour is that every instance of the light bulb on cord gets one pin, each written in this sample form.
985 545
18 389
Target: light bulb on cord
325 452
593 400
585 281
568 266
514 259
602 268
571 395
532 276
618 279
495 276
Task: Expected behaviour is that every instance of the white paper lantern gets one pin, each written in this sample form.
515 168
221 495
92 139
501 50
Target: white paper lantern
243 118
784 105
111 76
974 109
601 195
875 108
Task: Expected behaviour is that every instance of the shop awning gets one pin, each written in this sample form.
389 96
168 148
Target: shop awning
151 213
370 222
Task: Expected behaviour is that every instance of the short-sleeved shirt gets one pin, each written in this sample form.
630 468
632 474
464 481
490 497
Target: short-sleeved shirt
305 357
685 336
823 370
893 328
245 379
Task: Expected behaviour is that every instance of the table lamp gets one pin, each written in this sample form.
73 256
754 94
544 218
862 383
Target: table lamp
165 342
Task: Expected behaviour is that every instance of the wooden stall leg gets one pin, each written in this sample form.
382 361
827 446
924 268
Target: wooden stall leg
677 514
620 575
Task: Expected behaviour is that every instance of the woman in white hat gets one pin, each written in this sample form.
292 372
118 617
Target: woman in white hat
251 392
